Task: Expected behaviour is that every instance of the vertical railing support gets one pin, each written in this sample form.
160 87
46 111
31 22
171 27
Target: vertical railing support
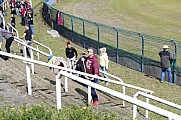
89 95
63 18
83 28
32 64
117 45
124 92
28 73
38 54
58 91
142 56
147 101
72 23
174 62
98 38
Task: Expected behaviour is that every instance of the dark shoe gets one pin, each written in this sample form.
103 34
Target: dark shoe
21 51
5 58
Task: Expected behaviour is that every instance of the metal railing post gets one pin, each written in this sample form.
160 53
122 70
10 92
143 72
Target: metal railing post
28 73
83 28
89 95
142 56
147 101
98 37
72 23
32 64
124 92
117 44
174 61
38 55
58 91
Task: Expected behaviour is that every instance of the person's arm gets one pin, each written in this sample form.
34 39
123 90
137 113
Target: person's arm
75 53
66 52
106 60
23 36
96 67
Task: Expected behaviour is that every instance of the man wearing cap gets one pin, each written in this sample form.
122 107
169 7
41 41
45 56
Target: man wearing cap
165 58
71 55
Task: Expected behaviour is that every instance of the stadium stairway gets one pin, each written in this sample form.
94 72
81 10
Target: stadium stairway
13 73
43 86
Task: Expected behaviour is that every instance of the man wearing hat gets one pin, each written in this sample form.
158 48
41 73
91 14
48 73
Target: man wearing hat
71 55
165 58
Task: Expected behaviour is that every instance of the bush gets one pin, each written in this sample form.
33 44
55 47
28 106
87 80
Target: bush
47 113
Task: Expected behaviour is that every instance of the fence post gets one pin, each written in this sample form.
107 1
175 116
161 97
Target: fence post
98 37
142 57
174 62
83 28
72 23
117 46
63 18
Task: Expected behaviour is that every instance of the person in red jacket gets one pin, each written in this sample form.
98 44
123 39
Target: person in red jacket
92 67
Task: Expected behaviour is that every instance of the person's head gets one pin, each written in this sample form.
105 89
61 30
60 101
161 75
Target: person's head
68 44
90 52
103 50
165 48
26 27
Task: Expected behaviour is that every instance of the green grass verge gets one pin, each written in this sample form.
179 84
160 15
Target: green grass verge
47 113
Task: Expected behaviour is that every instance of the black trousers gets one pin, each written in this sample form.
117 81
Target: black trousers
8 44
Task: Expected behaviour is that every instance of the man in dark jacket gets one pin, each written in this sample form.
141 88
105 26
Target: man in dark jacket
92 67
166 58
28 38
71 55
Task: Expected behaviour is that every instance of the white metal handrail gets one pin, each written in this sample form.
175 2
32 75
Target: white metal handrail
5 5
91 84
89 75
153 98
30 47
3 21
134 101
40 44
17 33
34 41
111 75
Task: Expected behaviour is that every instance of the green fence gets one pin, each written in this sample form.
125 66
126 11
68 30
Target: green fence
135 50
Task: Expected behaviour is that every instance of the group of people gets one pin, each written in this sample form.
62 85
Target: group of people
24 9
90 65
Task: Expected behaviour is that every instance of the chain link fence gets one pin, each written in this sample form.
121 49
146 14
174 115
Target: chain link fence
135 50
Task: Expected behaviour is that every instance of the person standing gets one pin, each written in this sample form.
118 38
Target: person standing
28 38
23 15
9 39
92 67
104 61
71 55
165 59
30 23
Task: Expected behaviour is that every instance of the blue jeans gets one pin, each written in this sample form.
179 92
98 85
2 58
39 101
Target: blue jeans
103 68
93 91
168 70
32 29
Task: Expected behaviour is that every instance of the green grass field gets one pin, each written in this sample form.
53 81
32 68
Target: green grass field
168 92
155 17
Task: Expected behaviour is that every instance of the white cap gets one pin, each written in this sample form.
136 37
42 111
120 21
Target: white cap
165 47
